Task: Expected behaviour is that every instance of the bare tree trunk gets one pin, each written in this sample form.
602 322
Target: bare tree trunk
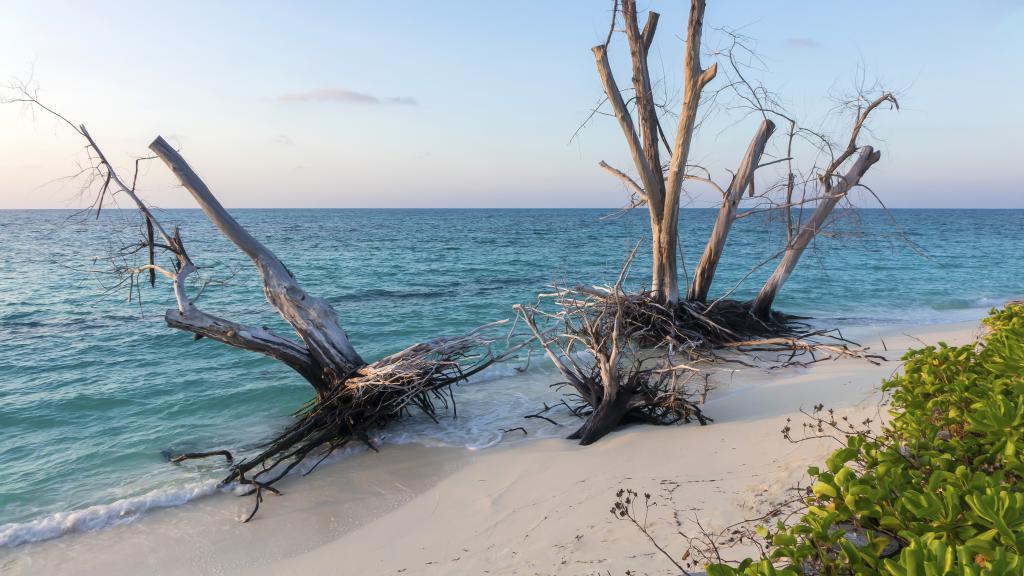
704 274
762 305
661 193
312 318
694 78
601 388
606 417
663 281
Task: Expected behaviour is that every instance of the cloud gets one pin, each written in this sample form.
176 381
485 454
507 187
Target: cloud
803 43
282 140
344 96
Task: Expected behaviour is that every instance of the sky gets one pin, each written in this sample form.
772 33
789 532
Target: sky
475 103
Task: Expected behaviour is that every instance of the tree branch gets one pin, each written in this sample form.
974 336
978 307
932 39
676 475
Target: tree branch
704 274
647 114
622 114
766 297
313 319
252 338
634 188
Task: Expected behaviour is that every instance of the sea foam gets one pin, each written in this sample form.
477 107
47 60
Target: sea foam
102 515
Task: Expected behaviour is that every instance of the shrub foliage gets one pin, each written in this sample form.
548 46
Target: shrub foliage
938 490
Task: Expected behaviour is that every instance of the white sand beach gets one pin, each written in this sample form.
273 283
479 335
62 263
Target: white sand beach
536 507
325 288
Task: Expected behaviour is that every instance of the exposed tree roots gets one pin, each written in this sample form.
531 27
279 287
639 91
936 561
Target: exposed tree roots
612 380
629 357
703 331
687 326
417 378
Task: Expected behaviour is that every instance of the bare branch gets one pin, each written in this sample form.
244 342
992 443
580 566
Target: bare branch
639 198
618 105
762 304
704 274
313 319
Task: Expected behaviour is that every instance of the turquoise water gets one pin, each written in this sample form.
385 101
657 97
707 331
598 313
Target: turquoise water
94 390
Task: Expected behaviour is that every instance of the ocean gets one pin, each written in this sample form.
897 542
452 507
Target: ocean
95 390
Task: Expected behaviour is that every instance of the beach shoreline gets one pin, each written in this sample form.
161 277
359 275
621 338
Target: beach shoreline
525 507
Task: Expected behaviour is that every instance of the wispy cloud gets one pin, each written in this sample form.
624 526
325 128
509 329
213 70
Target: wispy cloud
341 95
282 140
803 43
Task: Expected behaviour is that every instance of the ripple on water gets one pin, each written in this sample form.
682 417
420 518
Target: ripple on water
95 391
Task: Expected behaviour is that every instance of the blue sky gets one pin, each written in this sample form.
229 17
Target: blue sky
467 104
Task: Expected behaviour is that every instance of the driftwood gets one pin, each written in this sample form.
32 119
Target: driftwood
629 357
328 358
418 377
608 371
352 397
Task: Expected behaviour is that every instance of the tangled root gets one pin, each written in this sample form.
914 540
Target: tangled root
417 378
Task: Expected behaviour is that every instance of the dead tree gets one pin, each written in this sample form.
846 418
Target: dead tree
612 378
352 397
835 187
327 358
596 338
659 185
607 339
659 189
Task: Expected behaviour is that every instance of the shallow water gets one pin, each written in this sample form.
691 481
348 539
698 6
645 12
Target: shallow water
94 391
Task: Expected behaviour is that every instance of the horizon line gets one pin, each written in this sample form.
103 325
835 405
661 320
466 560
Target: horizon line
616 208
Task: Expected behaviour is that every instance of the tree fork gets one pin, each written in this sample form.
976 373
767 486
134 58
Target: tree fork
661 192
312 318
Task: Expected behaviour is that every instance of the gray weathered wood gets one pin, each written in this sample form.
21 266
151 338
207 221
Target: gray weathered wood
647 114
252 338
695 78
631 184
622 114
661 192
762 304
704 274
312 318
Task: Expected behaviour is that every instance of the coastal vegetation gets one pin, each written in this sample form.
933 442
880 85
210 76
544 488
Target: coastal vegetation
936 490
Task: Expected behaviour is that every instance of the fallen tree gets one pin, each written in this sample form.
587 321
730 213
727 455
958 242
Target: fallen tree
352 396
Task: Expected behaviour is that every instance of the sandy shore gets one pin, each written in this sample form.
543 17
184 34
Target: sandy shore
538 507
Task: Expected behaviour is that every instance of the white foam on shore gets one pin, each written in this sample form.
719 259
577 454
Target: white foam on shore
491 403
102 515
477 427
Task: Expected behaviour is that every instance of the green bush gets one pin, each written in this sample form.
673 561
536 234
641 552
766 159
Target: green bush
938 490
